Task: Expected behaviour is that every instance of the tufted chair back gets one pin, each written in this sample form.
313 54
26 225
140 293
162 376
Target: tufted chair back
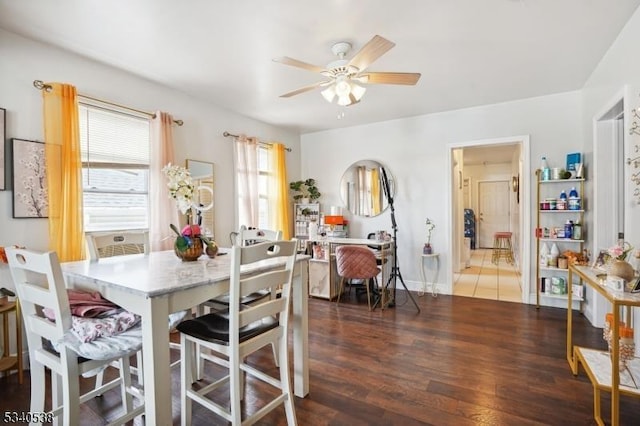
356 262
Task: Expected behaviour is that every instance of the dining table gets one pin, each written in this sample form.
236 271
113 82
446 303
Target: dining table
157 284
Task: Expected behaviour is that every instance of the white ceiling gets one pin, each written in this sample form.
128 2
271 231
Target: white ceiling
469 52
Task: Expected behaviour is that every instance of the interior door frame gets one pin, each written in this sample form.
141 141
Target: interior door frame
524 206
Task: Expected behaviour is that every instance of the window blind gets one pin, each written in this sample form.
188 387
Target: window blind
113 138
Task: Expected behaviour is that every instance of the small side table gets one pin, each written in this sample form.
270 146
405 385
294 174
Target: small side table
8 362
434 262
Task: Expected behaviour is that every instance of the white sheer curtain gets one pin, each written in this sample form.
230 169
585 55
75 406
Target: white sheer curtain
162 209
246 163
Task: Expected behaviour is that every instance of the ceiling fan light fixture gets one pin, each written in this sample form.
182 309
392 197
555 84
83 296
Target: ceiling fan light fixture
329 93
342 86
344 100
357 91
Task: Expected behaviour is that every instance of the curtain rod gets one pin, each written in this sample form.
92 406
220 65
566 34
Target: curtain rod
227 134
38 84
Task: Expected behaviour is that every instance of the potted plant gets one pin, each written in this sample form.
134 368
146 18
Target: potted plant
305 191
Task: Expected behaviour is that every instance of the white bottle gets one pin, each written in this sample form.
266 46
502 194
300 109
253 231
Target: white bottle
544 253
313 230
555 252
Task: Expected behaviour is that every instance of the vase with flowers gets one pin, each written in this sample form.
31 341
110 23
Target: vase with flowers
617 264
427 249
190 243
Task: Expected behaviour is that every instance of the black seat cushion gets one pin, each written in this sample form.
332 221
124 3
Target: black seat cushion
246 300
214 327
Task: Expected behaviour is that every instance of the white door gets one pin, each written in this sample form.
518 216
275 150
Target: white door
493 215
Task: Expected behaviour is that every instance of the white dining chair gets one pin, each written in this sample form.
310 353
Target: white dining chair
244 238
120 243
101 244
244 330
40 284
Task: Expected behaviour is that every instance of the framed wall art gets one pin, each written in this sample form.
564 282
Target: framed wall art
30 198
3 128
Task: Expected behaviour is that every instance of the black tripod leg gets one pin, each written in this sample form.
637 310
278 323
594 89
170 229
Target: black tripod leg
408 292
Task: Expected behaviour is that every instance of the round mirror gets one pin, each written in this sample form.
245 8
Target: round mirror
362 188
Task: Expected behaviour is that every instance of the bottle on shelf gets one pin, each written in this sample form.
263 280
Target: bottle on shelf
546 171
563 195
574 199
577 231
568 229
544 254
555 252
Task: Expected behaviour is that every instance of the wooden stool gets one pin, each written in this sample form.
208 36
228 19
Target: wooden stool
502 247
8 362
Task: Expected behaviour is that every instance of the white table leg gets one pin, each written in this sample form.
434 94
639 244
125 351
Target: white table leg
157 372
300 323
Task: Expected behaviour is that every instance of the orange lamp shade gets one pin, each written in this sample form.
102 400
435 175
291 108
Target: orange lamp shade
333 220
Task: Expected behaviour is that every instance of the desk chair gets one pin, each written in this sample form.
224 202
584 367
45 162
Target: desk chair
356 263
40 284
244 330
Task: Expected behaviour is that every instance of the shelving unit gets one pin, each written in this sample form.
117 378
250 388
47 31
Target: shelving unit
9 362
548 218
303 214
602 367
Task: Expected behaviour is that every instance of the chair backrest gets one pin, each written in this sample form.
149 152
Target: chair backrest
354 262
117 243
243 258
247 237
40 284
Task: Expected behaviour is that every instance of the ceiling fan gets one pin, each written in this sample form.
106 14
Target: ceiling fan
344 75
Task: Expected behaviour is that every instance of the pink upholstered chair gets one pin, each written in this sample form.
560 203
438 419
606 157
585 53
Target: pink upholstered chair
356 263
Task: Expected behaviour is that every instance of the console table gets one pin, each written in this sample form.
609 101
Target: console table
603 368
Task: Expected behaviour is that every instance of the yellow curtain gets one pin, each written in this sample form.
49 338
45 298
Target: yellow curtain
64 171
278 190
375 192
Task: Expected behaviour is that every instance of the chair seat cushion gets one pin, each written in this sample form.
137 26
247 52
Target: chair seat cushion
104 348
214 327
246 300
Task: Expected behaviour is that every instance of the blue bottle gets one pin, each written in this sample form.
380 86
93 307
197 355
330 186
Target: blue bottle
568 229
563 195
573 193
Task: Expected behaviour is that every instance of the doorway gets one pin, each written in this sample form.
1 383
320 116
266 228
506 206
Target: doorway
495 190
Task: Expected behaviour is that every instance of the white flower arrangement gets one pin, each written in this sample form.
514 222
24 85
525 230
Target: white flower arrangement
430 227
181 187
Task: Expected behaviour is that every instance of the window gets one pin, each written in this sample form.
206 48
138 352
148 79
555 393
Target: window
263 170
263 187
115 168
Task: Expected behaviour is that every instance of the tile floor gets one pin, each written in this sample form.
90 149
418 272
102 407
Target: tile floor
487 280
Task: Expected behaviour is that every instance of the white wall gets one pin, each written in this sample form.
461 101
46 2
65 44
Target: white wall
415 150
200 138
617 74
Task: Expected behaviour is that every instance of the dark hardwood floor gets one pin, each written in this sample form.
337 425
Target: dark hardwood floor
461 361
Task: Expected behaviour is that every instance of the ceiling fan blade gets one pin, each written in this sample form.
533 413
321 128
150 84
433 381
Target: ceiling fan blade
305 89
371 51
405 78
296 63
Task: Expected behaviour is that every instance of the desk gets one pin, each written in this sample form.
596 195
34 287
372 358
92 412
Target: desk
155 285
435 258
604 370
385 248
